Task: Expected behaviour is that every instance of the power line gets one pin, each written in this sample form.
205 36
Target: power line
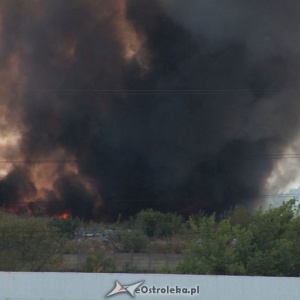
165 91
63 161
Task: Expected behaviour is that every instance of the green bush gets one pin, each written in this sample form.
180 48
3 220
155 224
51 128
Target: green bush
136 242
266 245
65 227
156 224
27 244
99 263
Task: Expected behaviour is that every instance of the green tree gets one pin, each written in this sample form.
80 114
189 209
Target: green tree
156 224
273 241
220 248
65 227
240 216
27 244
292 235
269 244
134 241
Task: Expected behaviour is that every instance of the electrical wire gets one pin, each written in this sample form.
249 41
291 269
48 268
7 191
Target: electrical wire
165 91
207 158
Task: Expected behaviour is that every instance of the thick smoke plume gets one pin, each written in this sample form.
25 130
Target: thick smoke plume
108 107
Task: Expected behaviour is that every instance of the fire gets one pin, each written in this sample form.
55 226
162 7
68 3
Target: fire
64 215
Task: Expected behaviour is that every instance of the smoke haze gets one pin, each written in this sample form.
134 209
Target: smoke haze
108 107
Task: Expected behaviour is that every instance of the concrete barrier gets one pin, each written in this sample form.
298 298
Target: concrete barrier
129 261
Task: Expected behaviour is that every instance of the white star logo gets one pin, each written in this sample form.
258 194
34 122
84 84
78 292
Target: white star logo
119 288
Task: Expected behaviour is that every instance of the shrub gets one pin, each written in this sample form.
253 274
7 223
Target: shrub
157 224
135 242
99 263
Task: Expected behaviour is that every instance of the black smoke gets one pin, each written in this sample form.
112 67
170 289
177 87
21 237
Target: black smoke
189 131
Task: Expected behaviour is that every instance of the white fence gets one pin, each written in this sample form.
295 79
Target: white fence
83 286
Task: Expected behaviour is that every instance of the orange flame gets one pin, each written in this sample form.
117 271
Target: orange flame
64 216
